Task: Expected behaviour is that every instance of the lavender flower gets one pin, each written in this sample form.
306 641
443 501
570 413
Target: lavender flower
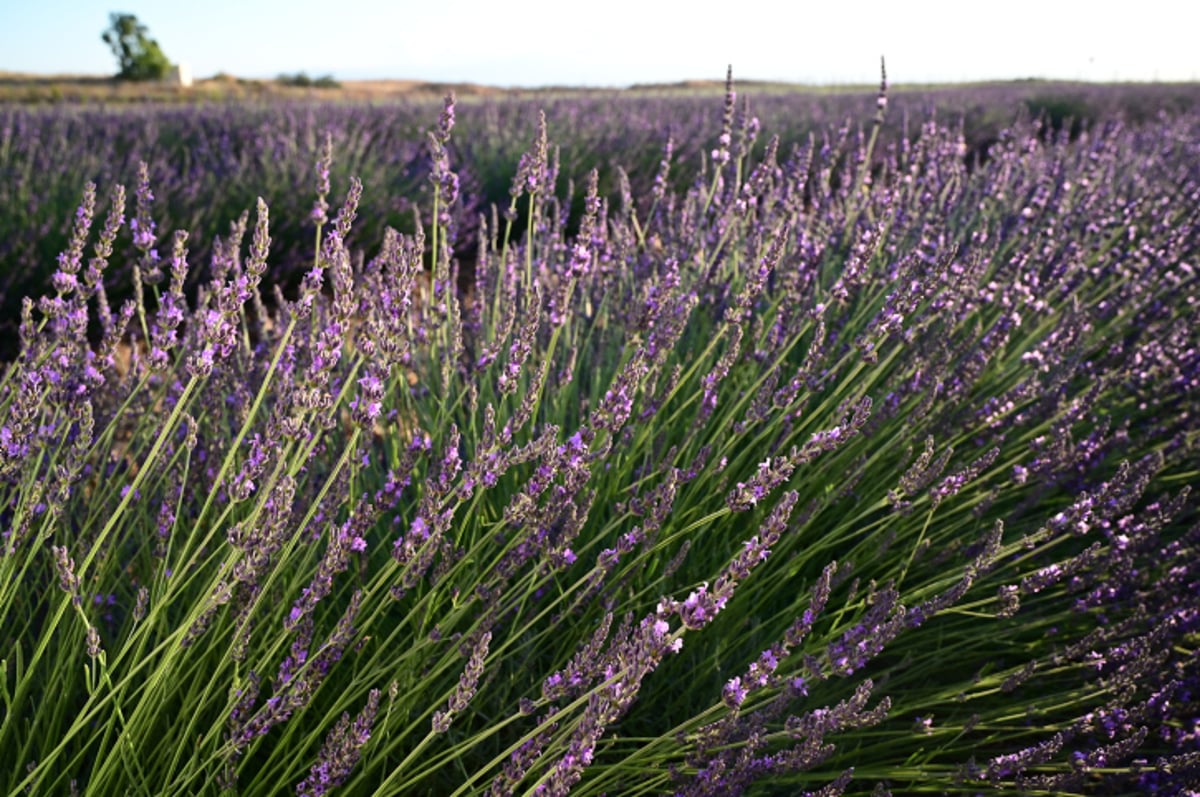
342 749
446 180
467 684
144 227
65 280
321 207
345 540
533 170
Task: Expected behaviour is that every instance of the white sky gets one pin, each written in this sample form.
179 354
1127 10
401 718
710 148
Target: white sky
618 42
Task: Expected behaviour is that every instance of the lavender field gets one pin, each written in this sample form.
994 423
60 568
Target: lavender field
662 445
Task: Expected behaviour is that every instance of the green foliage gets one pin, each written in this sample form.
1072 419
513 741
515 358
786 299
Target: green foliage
302 80
138 56
1059 111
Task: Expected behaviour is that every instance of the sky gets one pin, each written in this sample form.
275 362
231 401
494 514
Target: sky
622 42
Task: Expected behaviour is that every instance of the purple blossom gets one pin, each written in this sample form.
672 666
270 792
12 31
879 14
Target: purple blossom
700 607
342 749
468 683
733 693
324 161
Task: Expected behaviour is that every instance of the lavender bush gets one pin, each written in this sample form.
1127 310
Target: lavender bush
208 162
842 468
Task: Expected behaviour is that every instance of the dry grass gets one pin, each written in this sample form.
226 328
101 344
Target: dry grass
23 88
49 89
38 89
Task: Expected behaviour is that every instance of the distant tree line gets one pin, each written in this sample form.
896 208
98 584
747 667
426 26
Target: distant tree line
302 80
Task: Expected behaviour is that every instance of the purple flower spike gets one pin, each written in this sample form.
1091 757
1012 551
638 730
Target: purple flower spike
341 751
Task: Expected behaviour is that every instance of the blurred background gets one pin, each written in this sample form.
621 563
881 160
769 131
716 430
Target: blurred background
623 42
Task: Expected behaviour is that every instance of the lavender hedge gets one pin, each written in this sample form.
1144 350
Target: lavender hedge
208 162
841 468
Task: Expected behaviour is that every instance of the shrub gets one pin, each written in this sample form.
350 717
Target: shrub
209 162
138 56
302 80
841 471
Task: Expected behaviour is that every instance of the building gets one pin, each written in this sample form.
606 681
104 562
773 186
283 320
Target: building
179 75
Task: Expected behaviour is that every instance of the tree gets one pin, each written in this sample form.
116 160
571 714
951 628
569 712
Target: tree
138 56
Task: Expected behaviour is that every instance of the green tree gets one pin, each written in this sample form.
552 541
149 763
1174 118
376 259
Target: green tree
138 56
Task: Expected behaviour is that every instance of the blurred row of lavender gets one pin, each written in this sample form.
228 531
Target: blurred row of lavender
208 163
595 452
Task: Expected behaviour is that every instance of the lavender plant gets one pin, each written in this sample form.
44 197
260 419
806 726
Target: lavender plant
208 163
842 468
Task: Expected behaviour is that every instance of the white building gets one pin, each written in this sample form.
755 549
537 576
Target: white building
179 75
